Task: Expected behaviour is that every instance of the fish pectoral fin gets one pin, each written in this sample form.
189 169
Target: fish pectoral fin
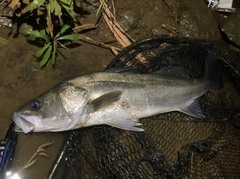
106 100
193 110
126 125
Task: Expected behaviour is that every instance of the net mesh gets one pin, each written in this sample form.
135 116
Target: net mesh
173 145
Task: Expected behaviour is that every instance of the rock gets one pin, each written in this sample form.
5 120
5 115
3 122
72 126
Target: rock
144 18
230 27
181 18
197 21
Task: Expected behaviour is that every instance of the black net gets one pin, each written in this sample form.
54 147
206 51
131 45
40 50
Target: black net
173 145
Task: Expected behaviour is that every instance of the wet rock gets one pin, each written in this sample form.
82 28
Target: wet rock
182 18
230 27
144 18
197 21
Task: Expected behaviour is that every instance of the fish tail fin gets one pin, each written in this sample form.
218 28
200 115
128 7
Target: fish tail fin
211 73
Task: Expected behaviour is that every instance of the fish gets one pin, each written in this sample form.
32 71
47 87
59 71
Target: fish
117 99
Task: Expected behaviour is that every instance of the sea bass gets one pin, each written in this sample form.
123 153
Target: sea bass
116 99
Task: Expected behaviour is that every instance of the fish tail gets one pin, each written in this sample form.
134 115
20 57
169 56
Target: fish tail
211 71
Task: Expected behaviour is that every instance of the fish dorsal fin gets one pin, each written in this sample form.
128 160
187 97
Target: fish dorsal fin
173 71
73 98
106 100
193 110
127 70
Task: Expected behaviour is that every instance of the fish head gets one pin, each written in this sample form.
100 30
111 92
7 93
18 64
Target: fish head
56 110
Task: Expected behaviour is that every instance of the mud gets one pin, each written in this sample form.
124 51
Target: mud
21 78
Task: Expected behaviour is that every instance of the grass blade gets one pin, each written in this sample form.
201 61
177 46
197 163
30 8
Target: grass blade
58 9
67 2
36 34
54 54
33 5
52 6
63 29
100 7
46 56
40 52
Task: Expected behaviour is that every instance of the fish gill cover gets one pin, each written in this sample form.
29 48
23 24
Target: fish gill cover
173 145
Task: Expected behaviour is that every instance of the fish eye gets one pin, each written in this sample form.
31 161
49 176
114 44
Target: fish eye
35 105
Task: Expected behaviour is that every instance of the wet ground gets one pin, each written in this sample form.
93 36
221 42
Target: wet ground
21 79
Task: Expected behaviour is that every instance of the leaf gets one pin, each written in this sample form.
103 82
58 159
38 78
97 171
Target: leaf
54 54
33 5
36 34
47 30
100 7
48 34
69 9
72 14
58 9
66 6
66 2
63 29
71 37
49 21
52 6
46 56
42 50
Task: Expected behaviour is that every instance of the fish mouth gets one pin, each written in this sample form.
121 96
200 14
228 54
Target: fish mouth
22 124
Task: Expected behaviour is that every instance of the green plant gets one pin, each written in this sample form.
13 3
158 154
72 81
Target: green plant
100 7
55 6
49 50
48 15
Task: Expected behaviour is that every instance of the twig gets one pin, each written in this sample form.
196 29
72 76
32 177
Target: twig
114 10
41 151
119 33
84 27
114 49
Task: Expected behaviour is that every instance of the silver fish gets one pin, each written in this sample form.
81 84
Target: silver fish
116 99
